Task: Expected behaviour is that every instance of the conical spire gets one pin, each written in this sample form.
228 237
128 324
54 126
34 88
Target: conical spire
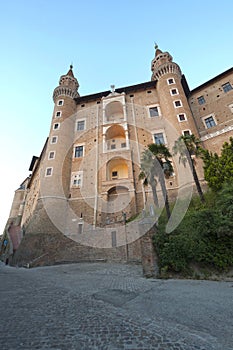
68 85
70 72
162 64
157 50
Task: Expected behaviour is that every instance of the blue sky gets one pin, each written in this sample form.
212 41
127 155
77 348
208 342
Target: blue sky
108 42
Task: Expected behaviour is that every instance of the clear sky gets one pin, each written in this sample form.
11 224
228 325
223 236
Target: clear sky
108 42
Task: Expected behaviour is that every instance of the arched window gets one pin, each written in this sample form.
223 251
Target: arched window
115 137
114 112
117 168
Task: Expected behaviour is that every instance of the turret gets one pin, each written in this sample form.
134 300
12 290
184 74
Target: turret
56 170
64 97
172 98
68 86
162 64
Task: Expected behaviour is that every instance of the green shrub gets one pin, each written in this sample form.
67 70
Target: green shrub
204 236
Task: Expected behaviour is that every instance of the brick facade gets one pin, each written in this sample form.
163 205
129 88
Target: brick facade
86 178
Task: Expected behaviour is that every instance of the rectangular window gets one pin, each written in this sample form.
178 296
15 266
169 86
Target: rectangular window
227 87
181 117
78 152
154 111
114 174
201 100
58 114
113 146
209 122
77 182
186 132
174 92
51 155
159 138
177 103
60 102
123 145
56 126
81 125
77 179
170 81
54 139
48 171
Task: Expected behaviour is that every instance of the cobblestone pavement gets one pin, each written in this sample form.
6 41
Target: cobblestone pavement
110 306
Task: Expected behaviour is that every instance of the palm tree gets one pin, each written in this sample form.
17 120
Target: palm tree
155 164
188 146
148 173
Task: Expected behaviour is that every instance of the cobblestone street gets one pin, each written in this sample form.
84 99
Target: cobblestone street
110 306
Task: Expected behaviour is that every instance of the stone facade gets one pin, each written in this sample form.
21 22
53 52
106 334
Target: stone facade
212 107
85 183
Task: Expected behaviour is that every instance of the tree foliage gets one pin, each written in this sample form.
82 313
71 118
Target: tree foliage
155 167
204 236
218 169
188 147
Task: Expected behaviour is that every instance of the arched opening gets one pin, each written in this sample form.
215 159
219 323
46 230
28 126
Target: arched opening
115 137
117 168
118 200
114 111
116 191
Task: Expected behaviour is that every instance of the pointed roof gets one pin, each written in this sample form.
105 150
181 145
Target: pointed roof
70 72
157 50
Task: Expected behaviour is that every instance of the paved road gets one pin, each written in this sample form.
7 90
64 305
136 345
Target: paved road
110 306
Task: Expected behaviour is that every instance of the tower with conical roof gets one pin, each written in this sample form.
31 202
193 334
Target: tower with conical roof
55 161
68 86
62 131
173 100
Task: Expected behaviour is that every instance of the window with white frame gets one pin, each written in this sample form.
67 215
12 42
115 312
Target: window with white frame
209 121
177 103
186 132
48 171
154 111
77 179
54 139
56 126
78 151
60 102
58 114
80 125
159 138
174 92
171 81
181 117
51 154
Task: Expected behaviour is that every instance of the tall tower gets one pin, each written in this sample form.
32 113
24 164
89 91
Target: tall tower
57 159
55 163
173 101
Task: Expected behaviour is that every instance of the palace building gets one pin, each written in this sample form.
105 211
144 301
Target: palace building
85 183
